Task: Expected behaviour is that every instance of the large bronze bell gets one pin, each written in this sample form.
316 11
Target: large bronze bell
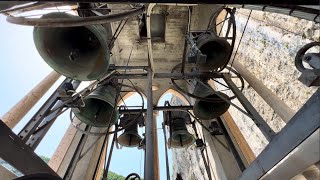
130 137
216 49
99 107
205 110
80 53
180 138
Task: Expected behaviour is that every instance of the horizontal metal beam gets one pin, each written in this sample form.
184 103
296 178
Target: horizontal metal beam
300 127
15 152
168 75
113 67
274 2
304 156
157 108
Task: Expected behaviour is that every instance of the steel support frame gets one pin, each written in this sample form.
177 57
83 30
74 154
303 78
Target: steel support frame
150 167
300 127
257 119
15 152
37 127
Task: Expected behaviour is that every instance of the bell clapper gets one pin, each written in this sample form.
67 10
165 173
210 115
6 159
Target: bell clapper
130 137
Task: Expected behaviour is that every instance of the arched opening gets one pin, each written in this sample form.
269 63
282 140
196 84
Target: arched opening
127 160
174 98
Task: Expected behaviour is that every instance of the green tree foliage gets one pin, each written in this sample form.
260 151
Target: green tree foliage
45 159
114 176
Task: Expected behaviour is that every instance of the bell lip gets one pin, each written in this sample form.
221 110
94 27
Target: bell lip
95 29
179 146
192 140
198 114
89 122
208 37
132 145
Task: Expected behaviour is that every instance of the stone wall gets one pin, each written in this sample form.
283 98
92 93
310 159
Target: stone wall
267 50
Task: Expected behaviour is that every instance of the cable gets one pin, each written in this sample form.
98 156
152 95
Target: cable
241 38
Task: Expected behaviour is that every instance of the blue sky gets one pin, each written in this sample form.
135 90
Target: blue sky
22 68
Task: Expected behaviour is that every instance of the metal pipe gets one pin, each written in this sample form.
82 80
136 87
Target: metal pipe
151 157
281 108
168 75
17 112
156 108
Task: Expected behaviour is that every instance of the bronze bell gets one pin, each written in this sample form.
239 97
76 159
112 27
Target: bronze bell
79 53
216 49
130 137
99 107
206 110
180 138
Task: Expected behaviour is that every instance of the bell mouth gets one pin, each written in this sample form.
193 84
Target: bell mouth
79 53
216 49
129 140
181 139
205 110
97 113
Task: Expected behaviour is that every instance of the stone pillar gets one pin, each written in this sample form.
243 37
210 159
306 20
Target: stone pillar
17 112
86 166
57 157
284 111
5 174
155 140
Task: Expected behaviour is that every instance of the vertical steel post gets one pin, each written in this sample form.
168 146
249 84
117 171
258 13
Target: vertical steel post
151 157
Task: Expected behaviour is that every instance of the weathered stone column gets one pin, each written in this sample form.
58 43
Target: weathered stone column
86 166
284 111
17 112
5 174
58 156
155 140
